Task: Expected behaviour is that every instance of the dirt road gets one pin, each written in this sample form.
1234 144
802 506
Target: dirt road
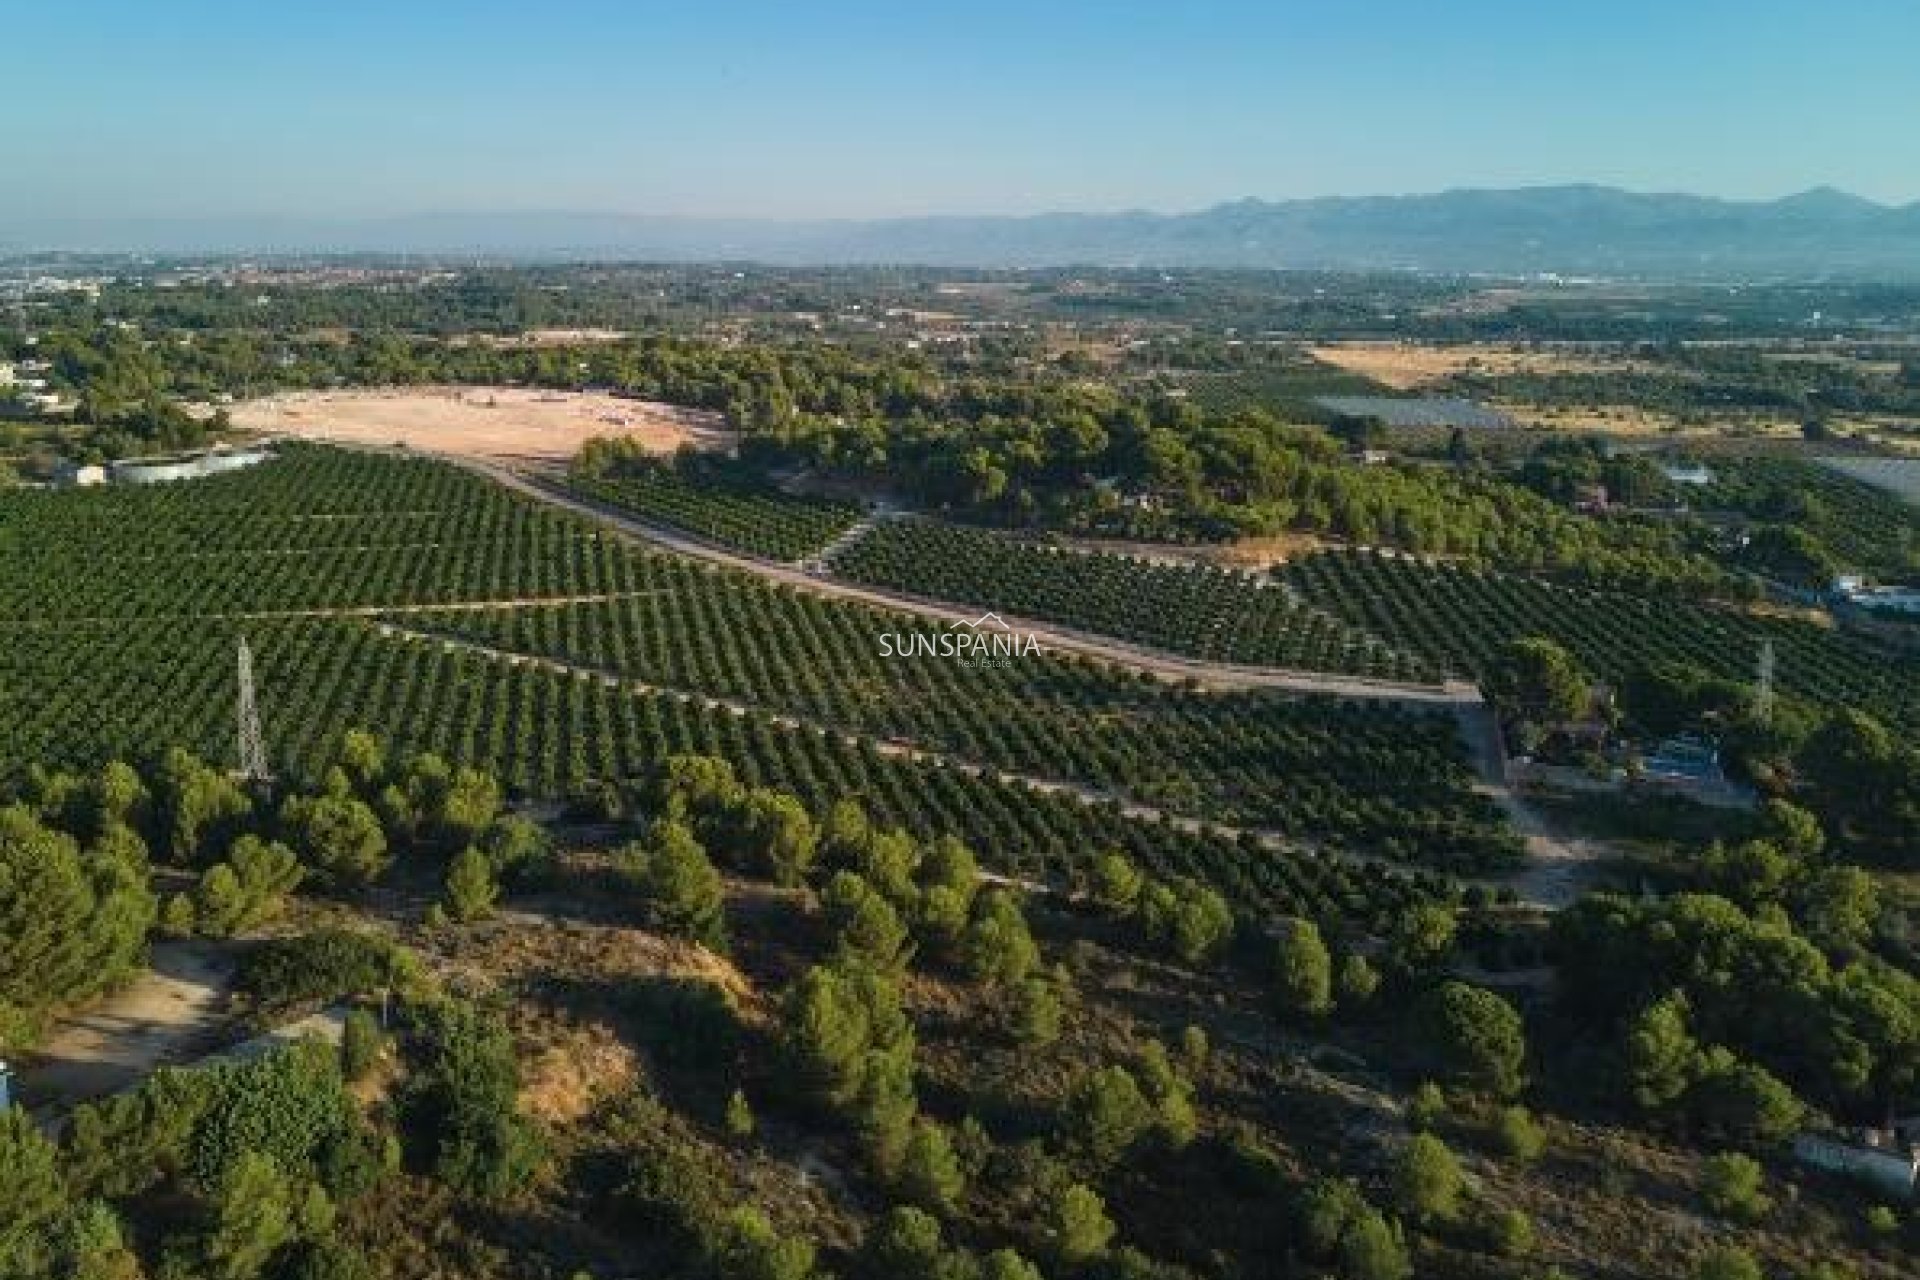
1558 867
1052 636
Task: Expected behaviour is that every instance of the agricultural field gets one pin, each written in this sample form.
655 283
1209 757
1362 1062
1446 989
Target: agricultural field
1459 617
1414 366
1209 613
671 926
311 555
759 520
1866 525
318 529
1377 778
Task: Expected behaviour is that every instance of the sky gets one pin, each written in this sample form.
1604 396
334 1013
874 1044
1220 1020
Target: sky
871 108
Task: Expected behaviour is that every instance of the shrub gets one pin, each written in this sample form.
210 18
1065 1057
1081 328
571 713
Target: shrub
1372 1248
739 1118
1518 1135
461 1102
1727 1262
1479 1036
1427 1182
320 968
1427 1107
747 1247
1076 1224
1510 1233
258 1212
290 1106
1356 980
471 890
1303 970
361 1045
1106 1114
1730 1184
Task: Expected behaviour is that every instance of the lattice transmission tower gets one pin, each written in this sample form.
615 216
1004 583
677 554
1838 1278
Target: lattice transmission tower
253 745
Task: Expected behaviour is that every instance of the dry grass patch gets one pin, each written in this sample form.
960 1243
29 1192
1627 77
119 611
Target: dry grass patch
576 1069
1410 366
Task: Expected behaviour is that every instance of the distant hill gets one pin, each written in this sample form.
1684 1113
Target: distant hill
1575 230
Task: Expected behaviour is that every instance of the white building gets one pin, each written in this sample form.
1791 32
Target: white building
78 475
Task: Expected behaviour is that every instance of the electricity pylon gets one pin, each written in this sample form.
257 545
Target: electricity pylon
253 746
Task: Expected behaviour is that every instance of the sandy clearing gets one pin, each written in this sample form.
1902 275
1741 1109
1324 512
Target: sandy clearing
169 1014
503 423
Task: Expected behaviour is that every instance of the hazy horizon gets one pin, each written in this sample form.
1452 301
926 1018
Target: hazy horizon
863 110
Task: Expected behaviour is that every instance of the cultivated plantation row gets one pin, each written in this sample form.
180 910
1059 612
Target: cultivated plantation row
1371 775
316 529
1460 617
320 530
758 521
112 692
1208 613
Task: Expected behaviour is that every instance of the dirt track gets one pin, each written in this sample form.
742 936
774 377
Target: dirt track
1558 867
1051 636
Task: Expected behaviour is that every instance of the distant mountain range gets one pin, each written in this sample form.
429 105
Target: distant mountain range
1571 230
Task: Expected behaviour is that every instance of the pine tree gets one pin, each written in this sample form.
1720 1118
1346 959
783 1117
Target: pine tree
471 891
930 1173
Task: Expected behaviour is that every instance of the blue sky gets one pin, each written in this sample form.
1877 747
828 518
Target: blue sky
831 108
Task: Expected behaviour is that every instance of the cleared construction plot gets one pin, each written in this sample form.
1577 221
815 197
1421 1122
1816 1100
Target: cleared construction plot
500 423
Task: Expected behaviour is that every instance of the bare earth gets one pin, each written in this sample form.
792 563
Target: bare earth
500 423
169 1014
1411 366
